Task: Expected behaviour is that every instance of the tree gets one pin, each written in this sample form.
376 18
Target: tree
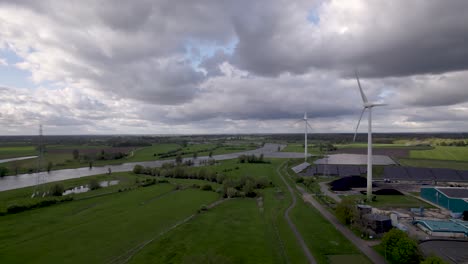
76 154
138 169
94 184
49 166
433 260
346 211
3 171
57 189
195 155
90 164
248 189
399 248
178 159
231 192
210 154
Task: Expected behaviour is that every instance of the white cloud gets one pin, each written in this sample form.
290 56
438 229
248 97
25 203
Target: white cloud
101 67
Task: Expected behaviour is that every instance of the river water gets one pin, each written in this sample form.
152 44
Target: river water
25 180
20 158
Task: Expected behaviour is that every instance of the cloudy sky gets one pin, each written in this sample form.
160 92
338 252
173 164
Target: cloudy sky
214 66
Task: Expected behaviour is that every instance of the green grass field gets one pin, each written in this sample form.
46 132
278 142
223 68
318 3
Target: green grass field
7 152
235 231
95 230
105 225
442 153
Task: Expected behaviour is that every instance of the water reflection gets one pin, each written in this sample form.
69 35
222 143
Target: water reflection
85 188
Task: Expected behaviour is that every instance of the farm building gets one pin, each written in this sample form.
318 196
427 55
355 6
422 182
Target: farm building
443 228
453 199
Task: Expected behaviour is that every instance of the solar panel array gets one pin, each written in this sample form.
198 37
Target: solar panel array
424 174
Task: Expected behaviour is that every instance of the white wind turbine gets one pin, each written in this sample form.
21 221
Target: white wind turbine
306 126
367 105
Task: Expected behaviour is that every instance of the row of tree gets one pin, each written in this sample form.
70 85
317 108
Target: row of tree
252 159
232 187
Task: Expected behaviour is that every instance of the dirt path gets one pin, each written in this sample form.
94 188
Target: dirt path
358 242
327 192
291 224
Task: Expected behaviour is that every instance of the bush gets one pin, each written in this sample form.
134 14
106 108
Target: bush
138 169
207 187
57 189
300 180
231 192
17 208
94 184
433 260
400 248
346 211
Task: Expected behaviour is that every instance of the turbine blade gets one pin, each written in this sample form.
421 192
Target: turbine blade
372 105
309 125
359 122
364 98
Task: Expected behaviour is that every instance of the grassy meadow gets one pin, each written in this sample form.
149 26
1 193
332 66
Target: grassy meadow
143 224
442 153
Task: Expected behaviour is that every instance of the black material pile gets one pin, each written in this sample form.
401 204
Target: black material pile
347 183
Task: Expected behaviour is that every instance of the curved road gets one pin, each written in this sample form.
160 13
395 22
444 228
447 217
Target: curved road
26 180
298 235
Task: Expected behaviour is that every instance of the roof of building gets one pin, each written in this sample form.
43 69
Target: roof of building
454 192
300 167
449 226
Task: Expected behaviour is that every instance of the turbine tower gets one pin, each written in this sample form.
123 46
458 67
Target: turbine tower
367 105
306 125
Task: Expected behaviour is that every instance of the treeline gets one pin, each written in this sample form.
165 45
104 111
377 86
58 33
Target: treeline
17 208
455 143
178 151
252 159
102 155
240 187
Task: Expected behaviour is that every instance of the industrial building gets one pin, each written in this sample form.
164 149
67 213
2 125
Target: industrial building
443 228
453 199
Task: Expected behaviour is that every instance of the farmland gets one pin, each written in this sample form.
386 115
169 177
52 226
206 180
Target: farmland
62 156
442 153
115 224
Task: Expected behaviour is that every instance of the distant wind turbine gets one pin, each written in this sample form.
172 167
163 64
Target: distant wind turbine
367 105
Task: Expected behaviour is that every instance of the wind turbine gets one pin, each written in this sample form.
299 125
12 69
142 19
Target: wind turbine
367 105
306 126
